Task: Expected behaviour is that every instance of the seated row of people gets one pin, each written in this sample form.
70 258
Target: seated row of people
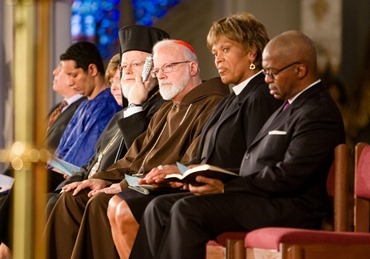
128 124
283 178
222 142
237 44
172 135
283 173
159 145
281 155
122 128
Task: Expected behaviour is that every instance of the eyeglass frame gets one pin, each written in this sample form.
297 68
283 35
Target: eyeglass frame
133 65
273 75
167 66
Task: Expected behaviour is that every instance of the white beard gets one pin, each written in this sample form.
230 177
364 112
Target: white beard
126 90
169 91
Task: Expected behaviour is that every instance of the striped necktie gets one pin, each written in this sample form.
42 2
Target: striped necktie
55 114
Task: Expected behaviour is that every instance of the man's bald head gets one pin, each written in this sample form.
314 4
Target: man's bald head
294 46
289 62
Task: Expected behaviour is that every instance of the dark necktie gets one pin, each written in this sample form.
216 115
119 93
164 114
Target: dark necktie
55 114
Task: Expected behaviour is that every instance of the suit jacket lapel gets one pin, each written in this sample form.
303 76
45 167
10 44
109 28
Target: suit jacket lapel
235 104
280 117
271 123
210 122
232 105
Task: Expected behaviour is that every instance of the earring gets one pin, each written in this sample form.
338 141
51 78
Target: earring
252 66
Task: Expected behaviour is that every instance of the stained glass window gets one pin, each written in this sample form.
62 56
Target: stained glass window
148 11
96 21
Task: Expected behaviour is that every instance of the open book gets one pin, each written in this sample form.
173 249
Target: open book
188 176
63 166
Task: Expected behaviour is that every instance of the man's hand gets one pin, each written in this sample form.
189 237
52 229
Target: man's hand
211 186
93 184
113 189
138 92
157 174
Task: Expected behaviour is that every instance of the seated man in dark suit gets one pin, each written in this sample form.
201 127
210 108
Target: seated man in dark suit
283 172
58 120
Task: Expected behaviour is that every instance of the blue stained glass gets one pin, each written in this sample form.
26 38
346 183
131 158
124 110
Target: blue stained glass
115 15
97 21
146 12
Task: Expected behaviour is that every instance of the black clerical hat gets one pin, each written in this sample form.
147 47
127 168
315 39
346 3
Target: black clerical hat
138 37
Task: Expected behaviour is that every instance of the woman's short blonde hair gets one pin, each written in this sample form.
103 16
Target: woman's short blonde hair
112 67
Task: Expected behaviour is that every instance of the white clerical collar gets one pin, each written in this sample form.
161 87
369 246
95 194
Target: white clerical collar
239 87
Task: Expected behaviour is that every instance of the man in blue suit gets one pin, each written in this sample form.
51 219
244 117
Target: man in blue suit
283 172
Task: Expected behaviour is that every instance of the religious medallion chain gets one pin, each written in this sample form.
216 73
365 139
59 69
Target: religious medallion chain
96 166
141 170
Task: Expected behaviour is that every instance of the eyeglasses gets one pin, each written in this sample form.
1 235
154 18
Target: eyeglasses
167 68
134 66
272 75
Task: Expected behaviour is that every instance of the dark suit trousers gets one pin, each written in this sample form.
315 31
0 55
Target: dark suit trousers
174 226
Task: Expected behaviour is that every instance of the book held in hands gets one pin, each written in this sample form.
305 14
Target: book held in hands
205 170
187 176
